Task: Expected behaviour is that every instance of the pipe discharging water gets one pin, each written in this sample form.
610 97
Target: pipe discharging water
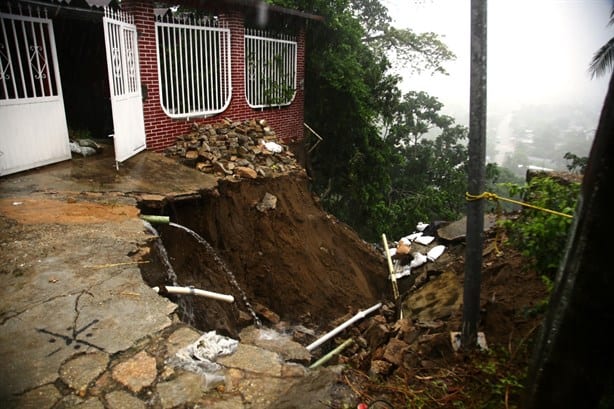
195 291
185 303
209 248
161 250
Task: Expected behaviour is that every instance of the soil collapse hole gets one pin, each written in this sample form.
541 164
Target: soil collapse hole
295 263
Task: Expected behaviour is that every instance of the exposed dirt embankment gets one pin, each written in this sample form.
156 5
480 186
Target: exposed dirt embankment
286 253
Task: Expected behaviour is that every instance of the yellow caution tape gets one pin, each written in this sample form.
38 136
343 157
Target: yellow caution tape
494 197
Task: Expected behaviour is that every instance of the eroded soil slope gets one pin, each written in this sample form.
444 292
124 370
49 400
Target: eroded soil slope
291 257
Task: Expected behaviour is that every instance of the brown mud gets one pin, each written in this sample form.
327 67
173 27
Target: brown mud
296 260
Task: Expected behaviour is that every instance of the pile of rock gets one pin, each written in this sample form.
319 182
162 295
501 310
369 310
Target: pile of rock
234 149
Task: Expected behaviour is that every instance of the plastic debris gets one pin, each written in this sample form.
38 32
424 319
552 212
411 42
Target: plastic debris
403 247
331 354
421 226
456 336
274 147
418 260
83 150
413 236
360 315
426 240
200 356
434 253
268 202
404 272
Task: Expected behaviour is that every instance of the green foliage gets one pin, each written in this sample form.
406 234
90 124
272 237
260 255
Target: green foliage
577 164
499 377
351 98
603 59
542 305
542 236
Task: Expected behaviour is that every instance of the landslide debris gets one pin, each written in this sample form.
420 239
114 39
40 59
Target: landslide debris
232 149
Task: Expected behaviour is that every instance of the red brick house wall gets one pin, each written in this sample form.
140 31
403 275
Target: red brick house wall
162 131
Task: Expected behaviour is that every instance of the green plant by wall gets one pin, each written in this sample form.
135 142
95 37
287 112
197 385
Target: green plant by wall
541 236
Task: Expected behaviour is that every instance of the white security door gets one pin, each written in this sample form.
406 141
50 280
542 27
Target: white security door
124 83
33 130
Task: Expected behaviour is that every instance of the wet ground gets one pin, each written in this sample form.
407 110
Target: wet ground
79 326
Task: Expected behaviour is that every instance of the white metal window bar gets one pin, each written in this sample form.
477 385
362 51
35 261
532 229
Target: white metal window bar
270 69
28 62
193 66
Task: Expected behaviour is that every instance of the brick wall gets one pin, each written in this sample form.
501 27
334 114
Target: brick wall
162 131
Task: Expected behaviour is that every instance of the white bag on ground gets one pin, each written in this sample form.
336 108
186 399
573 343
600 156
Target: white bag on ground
418 260
435 252
426 240
200 356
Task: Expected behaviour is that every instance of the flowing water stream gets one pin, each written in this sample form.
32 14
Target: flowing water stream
185 303
211 251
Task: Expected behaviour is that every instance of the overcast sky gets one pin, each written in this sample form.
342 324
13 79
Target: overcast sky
538 50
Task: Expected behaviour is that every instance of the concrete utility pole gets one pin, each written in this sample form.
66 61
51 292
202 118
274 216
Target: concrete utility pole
477 157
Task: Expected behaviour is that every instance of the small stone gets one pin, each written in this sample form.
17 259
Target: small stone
181 390
246 172
379 368
253 359
39 398
136 373
377 334
103 383
80 370
395 351
123 400
266 313
181 338
293 370
268 202
92 403
233 378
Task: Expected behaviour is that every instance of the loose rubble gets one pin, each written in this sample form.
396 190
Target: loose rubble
232 149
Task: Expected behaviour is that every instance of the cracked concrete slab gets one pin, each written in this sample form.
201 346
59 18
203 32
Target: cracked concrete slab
123 310
73 303
85 298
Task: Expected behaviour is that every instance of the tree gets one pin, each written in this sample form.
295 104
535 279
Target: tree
603 59
428 174
351 97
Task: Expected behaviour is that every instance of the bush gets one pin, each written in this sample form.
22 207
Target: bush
539 235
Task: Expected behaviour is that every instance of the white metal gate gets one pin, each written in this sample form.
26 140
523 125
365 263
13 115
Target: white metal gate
33 130
125 84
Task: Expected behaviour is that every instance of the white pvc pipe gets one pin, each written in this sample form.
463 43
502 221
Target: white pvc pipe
332 333
196 291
